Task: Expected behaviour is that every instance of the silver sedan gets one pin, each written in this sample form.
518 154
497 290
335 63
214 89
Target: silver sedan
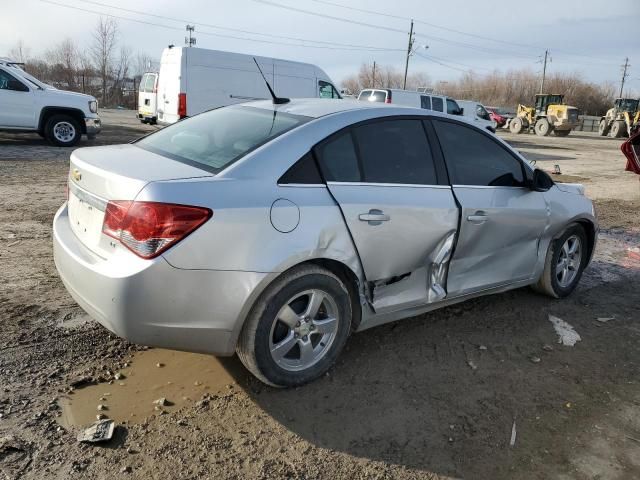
275 231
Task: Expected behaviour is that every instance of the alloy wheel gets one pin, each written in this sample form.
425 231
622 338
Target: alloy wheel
303 330
569 261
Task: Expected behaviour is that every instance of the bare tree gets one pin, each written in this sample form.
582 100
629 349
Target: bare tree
384 77
121 73
20 52
105 38
64 59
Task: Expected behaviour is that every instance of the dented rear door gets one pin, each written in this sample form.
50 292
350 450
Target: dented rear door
402 219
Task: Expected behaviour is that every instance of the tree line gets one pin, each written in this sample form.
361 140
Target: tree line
108 69
500 89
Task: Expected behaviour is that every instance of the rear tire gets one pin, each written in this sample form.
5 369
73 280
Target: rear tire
62 131
563 267
284 341
515 125
543 127
618 129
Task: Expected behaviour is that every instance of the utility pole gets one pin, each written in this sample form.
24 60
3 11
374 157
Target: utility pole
190 41
409 48
373 75
625 67
544 71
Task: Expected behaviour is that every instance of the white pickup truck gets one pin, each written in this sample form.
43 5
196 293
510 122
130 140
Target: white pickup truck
29 105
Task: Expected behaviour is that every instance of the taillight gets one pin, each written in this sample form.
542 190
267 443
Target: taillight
632 152
150 228
182 105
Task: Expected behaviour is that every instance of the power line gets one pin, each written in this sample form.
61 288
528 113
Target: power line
238 30
362 48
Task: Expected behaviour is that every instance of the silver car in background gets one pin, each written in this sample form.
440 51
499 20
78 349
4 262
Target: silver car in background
275 231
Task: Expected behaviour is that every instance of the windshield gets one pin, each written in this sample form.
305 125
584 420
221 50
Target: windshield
30 78
628 105
215 139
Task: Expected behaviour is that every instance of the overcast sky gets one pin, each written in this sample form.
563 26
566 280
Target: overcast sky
588 36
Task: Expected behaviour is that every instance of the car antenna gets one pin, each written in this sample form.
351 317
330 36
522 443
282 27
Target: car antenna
276 100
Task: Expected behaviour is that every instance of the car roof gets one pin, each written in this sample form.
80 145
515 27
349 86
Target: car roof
320 107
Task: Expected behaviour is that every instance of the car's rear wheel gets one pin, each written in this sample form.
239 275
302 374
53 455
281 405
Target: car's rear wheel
566 259
297 328
62 131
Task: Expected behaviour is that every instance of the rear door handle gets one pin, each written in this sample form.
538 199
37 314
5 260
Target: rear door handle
374 217
479 217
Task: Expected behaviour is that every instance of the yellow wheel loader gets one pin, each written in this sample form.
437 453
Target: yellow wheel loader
621 119
549 115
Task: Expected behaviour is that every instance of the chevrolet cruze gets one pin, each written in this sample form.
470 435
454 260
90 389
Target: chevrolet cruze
275 231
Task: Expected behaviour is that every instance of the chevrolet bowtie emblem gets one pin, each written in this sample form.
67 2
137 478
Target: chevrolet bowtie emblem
77 176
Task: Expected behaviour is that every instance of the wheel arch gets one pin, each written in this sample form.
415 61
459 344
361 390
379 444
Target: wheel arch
338 268
592 232
47 112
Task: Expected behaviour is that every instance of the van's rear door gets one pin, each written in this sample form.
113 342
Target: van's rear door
169 84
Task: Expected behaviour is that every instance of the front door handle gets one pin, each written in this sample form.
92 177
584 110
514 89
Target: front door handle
479 217
374 217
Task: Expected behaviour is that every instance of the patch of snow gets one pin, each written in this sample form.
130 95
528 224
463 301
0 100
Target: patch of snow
566 334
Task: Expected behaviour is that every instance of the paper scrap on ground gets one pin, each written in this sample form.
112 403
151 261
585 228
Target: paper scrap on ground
513 434
566 334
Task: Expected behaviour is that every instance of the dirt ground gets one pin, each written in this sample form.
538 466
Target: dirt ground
481 390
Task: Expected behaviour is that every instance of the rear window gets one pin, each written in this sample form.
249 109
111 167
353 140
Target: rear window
373 96
215 139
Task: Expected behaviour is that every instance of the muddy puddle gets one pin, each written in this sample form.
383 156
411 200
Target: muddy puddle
178 377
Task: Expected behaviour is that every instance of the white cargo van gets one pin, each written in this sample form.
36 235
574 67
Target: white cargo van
148 98
476 113
193 80
429 101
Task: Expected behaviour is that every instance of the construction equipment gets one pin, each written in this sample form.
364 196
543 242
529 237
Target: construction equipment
621 119
549 115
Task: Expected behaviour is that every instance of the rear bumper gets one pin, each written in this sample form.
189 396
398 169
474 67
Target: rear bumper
152 303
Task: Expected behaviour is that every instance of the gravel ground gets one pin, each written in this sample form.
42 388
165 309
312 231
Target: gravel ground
432 397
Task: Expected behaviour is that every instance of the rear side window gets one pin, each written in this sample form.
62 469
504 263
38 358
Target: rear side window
475 159
438 104
425 102
149 83
395 151
338 159
304 171
143 82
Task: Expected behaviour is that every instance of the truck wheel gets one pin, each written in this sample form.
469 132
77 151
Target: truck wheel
515 125
543 128
297 328
566 259
618 129
62 131
561 133
603 128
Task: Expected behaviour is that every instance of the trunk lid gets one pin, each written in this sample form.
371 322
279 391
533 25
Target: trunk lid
117 172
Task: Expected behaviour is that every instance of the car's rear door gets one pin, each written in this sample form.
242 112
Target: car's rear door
502 220
396 203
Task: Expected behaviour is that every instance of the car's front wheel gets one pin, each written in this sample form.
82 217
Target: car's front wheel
297 328
566 259
62 131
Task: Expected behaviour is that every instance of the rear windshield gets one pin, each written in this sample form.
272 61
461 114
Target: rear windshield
215 139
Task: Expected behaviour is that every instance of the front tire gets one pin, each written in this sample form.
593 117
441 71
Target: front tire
297 328
618 129
62 131
603 128
515 125
565 262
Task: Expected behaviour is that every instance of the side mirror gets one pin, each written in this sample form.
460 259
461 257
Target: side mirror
460 111
17 86
541 181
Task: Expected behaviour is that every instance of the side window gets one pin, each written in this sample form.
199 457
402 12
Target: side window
326 90
143 83
438 104
148 87
395 151
425 102
338 160
452 107
303 171
8 82
475 159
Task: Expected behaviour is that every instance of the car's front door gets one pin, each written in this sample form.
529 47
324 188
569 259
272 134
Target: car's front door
16 102
401 214
502 220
